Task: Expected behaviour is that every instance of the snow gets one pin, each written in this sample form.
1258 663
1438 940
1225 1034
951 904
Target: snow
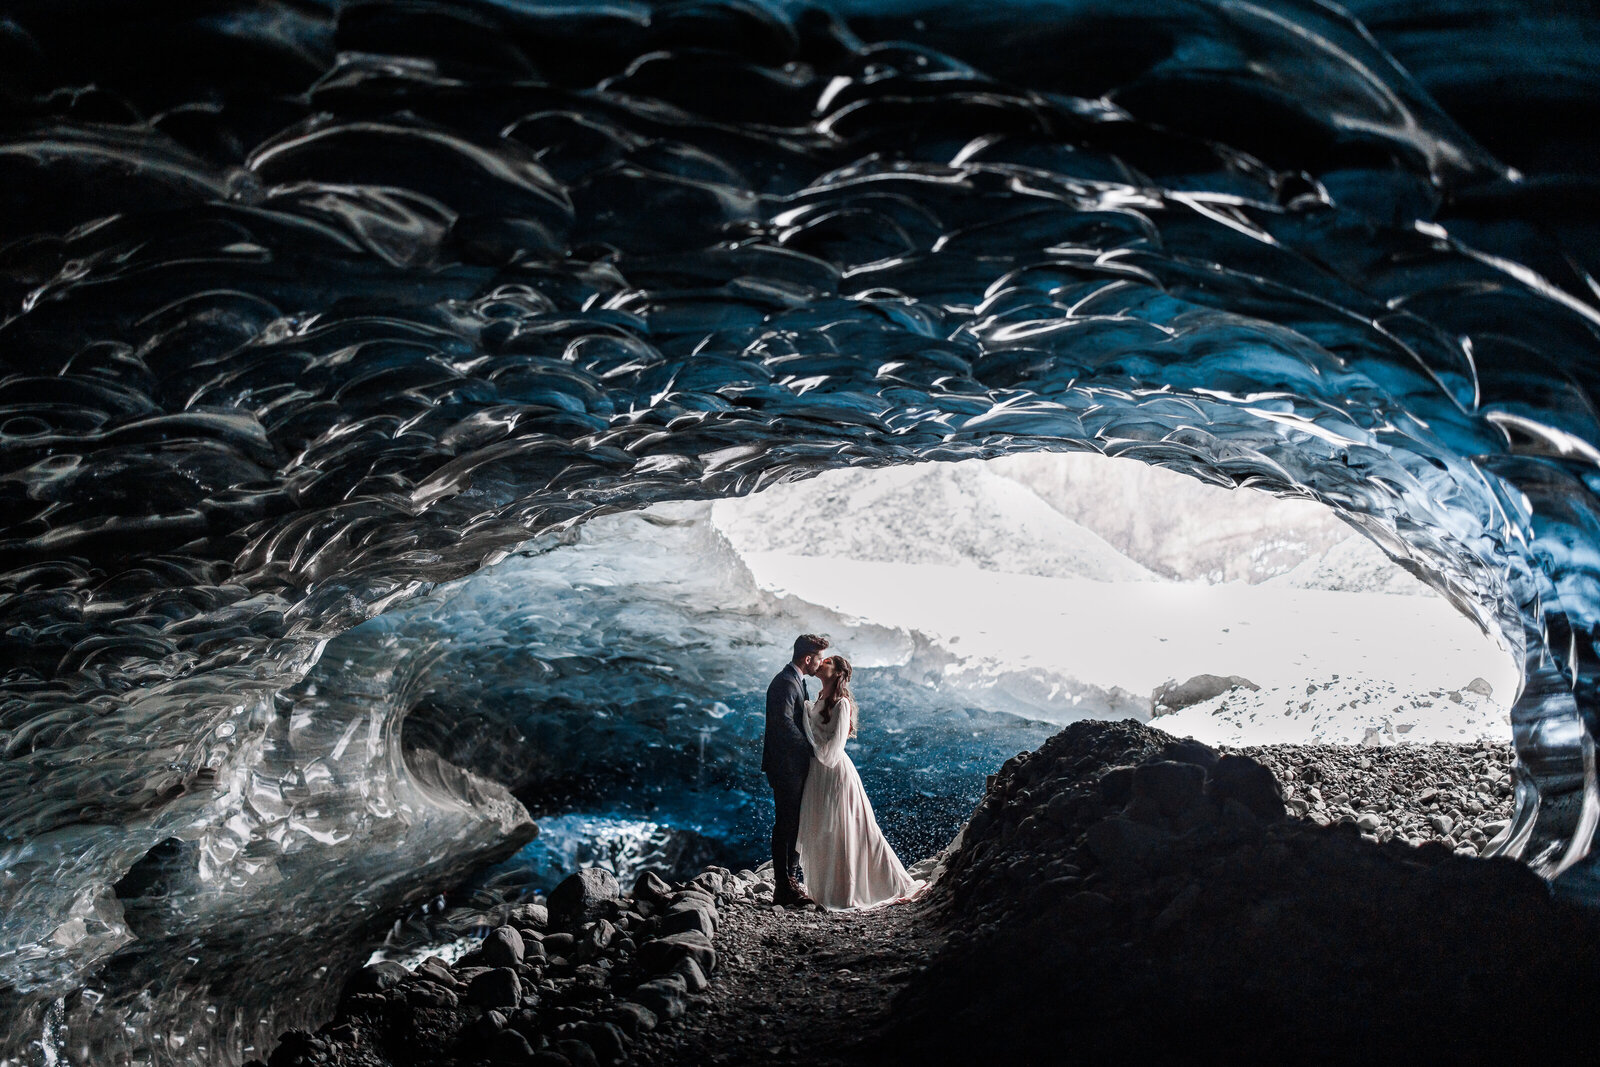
1354 565
1178 526
933 513
1386 659
1356 710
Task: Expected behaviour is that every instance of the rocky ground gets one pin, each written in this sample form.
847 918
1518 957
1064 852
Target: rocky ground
1121 893
575 981
1456 794
1116 893
799 987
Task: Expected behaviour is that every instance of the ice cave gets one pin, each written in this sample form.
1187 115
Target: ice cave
424 422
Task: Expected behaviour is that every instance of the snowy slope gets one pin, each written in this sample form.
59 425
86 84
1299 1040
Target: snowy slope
1178 526
1136 636
935 513
1354 565
1041 613
1347 711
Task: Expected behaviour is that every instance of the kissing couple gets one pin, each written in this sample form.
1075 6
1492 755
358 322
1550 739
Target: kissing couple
823 821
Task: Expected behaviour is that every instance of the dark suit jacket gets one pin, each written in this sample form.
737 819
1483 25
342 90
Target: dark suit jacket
785 745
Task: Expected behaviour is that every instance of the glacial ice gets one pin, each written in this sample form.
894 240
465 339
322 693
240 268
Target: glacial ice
312 309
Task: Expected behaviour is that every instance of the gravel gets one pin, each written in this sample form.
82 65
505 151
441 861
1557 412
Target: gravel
1459 795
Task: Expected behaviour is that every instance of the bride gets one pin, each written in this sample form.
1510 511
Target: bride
847 862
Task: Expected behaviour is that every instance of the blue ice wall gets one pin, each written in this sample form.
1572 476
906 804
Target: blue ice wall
308 307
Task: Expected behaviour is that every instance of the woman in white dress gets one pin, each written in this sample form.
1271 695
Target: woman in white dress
847 862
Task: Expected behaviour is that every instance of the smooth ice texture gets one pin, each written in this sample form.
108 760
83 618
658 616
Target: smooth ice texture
308 307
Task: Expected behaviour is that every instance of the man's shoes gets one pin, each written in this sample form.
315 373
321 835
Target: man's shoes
790 895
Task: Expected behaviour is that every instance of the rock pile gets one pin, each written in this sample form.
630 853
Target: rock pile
1459 795
1122 893
575 981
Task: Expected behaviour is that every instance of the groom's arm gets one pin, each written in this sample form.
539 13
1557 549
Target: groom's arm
778 697
798 715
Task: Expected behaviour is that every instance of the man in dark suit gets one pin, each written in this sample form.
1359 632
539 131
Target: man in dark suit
786 757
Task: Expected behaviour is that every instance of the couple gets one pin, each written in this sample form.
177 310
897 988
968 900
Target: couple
823 820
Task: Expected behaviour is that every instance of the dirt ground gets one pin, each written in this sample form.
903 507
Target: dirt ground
798 987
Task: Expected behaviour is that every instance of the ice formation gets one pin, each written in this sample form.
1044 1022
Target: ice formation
312 307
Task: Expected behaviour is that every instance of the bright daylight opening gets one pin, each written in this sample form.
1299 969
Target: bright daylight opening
1074 586
613 677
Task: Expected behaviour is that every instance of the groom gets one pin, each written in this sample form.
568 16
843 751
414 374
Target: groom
786 757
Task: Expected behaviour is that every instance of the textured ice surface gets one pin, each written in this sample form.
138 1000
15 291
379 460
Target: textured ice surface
308 307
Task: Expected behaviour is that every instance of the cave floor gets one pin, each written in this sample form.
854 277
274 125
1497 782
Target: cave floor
798 986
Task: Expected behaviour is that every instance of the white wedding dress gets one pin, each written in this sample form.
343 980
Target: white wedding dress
846 861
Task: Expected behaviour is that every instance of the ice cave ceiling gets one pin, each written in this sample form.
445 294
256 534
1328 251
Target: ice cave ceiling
309 306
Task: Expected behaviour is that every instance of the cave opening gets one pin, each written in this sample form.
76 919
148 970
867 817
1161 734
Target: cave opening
347 303
609 676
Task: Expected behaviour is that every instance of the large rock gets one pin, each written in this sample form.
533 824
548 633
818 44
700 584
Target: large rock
378 977
582 896
1116 785
503 947
436 969
597 937
1188 750
497 988
429 995
509 1047
578 1053
663 997
1175 695
651 886
682 918
663 953
1172 787
633 1018
606 1040
1251 784
694 979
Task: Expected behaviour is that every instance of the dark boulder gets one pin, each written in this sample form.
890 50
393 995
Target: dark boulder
663 997
503 947
582 896
510 1047
1251 784
437 970
1188 750
663 953
377 977
497 988
682 918
1173 787
1116 786
651 886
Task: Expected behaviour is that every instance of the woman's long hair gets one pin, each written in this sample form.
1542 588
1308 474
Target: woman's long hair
841 690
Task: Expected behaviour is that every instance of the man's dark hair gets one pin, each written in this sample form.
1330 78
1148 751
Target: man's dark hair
806 644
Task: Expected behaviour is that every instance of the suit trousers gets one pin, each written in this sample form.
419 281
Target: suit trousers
788 781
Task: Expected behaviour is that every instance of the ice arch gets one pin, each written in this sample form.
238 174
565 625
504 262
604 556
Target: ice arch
309 307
